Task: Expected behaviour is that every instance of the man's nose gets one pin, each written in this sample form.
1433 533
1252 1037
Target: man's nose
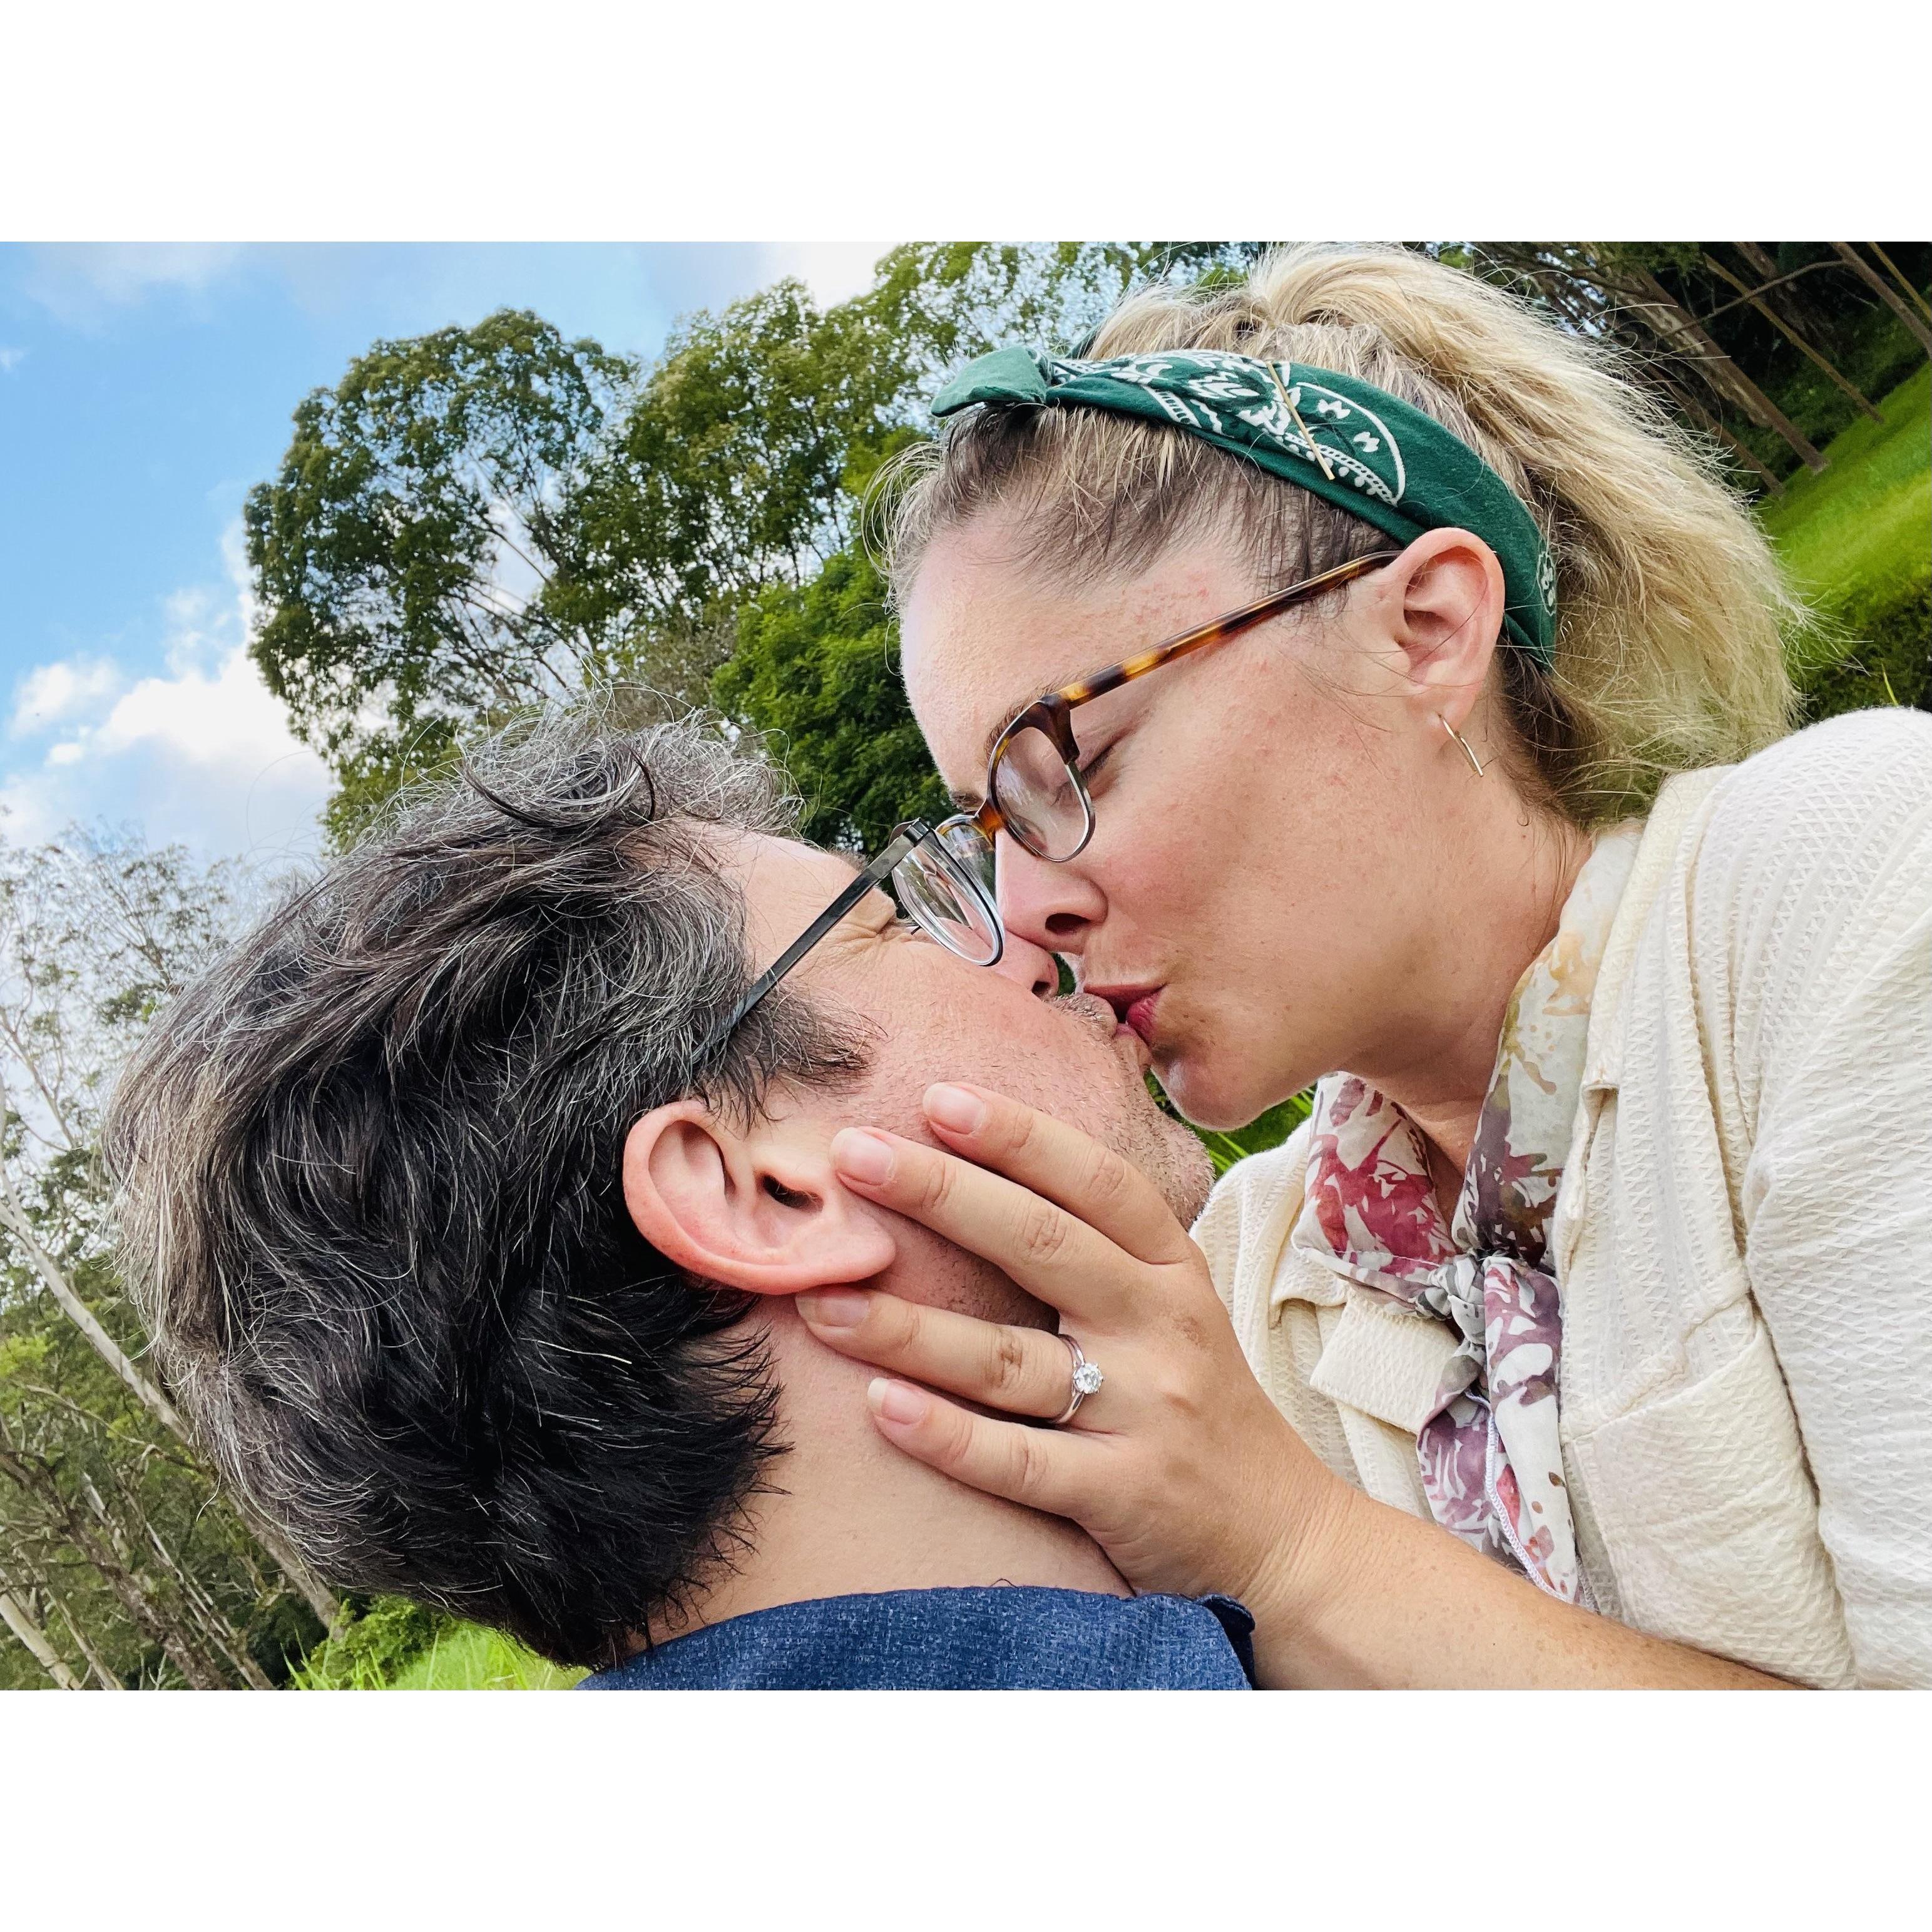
1052 906
1032 966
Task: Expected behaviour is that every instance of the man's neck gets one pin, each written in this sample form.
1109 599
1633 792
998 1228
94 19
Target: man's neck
852 1515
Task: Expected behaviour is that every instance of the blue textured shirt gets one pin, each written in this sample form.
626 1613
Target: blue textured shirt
1003 1638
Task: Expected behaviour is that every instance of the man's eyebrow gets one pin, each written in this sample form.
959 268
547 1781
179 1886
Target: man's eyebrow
857 862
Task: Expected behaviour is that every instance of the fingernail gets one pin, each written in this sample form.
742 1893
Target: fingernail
833 1307
954 1109
862 1155
893 1402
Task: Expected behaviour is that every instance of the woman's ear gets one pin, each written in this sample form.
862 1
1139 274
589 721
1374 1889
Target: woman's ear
1443 600
760 1210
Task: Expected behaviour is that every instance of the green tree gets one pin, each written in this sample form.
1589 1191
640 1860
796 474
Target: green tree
122 1561
732 469
416 558
482 519
816 671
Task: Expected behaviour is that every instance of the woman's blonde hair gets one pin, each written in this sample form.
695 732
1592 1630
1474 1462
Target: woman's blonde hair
1671 606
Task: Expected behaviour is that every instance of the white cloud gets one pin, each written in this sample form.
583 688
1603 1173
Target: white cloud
79 280
833 270
10 359
201 753
51 694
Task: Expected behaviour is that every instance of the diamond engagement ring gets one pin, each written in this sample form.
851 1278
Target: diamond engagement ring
1087 1381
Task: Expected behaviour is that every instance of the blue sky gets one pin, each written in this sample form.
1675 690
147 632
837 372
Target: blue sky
143 389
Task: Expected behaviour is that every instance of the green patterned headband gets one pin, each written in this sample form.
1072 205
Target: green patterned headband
1366 451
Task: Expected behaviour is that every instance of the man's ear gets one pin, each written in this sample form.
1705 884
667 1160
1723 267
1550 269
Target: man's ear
1442 601
760 1210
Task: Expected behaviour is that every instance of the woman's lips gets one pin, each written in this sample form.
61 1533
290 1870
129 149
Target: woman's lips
1133 1007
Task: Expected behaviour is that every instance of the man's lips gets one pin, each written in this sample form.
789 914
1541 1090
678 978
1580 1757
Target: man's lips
1133 1007
1086 1007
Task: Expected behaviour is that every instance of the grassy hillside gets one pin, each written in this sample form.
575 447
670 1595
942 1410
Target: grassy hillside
1858 539
393 1644
465 1657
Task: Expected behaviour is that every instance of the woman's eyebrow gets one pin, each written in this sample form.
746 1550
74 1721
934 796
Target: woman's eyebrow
1025 705
969 801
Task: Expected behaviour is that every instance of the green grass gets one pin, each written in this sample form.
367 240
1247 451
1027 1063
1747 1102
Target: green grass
1861 530
390 1644
468 1657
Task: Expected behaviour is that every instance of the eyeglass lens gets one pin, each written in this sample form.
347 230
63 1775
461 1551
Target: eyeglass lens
1039 797
935 883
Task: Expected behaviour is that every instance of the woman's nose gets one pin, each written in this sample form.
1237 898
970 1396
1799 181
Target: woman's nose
1052 906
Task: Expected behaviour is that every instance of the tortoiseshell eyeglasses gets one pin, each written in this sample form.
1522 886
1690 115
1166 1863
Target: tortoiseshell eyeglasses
1035 793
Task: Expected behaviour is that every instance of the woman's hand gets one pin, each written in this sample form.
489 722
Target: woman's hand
1179 1466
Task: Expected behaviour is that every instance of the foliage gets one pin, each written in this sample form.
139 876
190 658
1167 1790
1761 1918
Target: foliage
415 559
1858 538
1884 656
391 1644
373 1646
466 1656
1865 523
728 471
476 520
1267 1130
1714 324
816 671
115 1543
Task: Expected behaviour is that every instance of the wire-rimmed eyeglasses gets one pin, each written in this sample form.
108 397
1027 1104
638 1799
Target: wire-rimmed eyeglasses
944 873
944 885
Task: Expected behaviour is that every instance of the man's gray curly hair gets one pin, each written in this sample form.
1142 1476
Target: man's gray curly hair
370 1197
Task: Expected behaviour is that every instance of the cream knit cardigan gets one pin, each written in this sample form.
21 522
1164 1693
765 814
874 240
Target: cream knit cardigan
1743 1236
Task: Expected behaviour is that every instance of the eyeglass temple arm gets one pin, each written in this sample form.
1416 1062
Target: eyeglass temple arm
1231 625
868 880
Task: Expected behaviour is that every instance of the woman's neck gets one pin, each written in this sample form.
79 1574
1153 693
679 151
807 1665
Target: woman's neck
1503 906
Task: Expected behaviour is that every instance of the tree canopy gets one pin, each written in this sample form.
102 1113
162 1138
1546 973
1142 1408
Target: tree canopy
479 519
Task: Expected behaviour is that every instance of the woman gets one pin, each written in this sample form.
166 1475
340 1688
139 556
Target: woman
1590 1316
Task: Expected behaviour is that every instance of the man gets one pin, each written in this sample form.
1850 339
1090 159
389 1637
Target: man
469 1237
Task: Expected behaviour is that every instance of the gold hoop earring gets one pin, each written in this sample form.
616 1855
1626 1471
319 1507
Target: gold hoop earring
1475 763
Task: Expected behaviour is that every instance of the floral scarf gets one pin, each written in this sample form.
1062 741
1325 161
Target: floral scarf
1491 1459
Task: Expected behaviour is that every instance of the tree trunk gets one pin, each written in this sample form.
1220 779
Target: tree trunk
1904 280
1792 336
1886 293
1791 295
322 1599
1667 318
1742 450
104 1673
27 1627
13 1217
215 1626
178 1644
